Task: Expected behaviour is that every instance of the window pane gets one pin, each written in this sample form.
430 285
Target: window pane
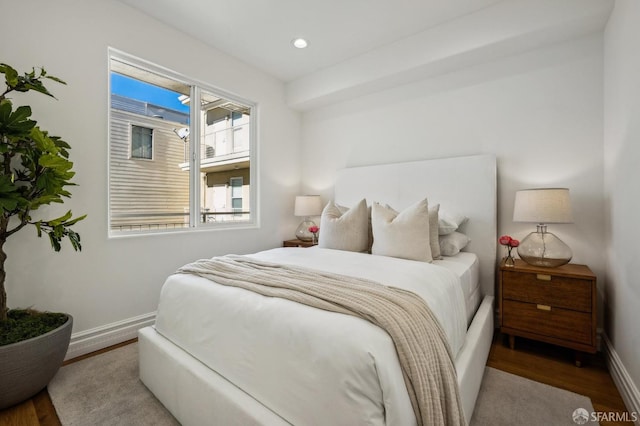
148 121
236 187
224 159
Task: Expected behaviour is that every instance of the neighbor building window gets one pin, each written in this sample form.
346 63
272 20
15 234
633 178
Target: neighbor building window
141 142
201 141
236 195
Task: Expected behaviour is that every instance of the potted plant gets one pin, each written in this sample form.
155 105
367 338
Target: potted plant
34 171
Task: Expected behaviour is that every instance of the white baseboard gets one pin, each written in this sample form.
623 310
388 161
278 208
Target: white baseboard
627 388
104 336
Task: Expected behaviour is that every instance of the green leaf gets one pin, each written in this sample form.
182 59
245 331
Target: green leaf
44 200
29 81
55 241
48 182
55 162
8 204
15 123
74 221
9 195
43 141
10 75
56 79
34 85
74 238
5 110
61 219
59 228
61 145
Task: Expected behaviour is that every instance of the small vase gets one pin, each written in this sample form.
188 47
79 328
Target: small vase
314 239
509 261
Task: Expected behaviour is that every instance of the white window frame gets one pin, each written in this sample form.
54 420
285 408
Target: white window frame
194 150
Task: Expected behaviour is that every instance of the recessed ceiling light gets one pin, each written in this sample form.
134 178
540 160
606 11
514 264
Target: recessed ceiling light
300 43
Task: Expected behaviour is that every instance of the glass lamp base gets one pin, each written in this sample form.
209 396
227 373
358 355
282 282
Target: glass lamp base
303 233
544 249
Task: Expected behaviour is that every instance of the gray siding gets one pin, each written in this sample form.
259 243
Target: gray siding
147 193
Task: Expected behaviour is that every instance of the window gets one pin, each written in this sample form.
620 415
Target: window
236 194
141 142
199 147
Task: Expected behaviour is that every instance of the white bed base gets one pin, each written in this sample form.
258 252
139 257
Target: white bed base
197 395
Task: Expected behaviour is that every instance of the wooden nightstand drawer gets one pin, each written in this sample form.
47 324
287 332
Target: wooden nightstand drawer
554 305
547 289
548 321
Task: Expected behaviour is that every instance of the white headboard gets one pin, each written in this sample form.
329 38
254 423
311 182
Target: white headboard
462 185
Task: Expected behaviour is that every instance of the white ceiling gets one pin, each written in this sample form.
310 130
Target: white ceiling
259 32
361 46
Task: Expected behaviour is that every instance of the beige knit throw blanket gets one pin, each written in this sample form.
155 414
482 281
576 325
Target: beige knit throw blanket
423 351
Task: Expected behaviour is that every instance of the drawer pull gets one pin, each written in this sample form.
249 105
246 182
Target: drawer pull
544 307
543 277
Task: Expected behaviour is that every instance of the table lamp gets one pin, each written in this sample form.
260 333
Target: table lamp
306 206
543 206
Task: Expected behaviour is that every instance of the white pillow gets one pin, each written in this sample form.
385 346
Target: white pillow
404 235
344 209
449 222
434 240
345 229
451 244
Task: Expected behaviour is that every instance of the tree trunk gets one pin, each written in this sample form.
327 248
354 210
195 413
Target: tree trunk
3 274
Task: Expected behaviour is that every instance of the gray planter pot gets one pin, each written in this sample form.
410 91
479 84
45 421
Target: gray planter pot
27 367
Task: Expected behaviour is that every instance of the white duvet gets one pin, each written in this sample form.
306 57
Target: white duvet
307 365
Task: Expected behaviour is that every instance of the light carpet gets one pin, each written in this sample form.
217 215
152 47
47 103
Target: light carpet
105 390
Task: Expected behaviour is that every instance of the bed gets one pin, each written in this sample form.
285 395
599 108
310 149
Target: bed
234 365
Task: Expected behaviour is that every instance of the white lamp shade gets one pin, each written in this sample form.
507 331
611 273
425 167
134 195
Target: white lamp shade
543 205
308 205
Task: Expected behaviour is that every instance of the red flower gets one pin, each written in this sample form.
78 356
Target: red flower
505 240
514 243
313 229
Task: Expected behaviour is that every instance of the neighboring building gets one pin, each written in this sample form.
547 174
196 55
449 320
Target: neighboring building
224 162
148 169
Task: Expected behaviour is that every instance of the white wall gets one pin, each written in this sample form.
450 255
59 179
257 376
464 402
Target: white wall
540 112
622 174
115 279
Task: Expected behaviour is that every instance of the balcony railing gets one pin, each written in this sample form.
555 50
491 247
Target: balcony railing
222 143
172 220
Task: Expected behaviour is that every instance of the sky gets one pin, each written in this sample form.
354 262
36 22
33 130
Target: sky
136 89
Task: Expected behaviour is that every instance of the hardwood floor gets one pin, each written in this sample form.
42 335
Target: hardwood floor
37 411
555 366
534 360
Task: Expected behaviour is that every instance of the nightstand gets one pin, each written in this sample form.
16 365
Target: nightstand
298 243
553 305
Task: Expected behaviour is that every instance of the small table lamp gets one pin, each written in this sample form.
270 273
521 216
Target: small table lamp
542 206
306 205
